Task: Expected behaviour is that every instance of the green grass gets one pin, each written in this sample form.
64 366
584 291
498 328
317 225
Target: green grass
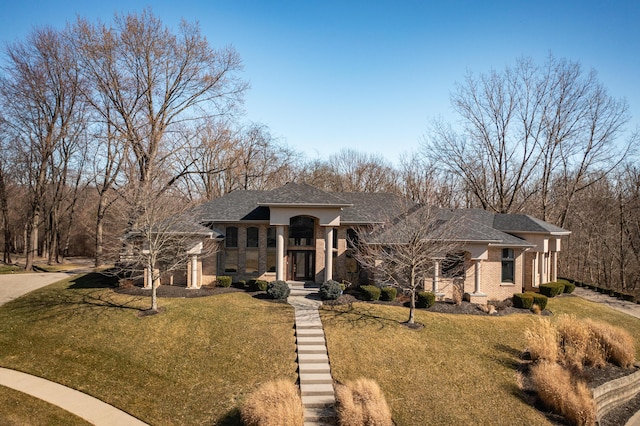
192 364
24 410
10 269
458 369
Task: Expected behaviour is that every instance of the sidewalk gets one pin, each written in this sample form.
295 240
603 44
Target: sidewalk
13 286
82 405
627 307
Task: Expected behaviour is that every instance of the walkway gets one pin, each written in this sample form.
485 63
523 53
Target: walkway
316 384
627 307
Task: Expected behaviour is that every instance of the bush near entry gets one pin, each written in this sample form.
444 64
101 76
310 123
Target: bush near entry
371 292
278 290
552 289
388 294
224 281
426 299
330 290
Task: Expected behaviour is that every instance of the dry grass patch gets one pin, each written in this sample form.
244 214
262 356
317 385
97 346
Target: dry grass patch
616 343
362 403
274 404
20 409
562 394
193 364
542 341
578 344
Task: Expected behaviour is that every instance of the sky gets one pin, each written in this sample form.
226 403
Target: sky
372 75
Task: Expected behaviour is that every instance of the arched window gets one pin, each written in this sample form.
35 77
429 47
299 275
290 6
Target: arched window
252 237
301 231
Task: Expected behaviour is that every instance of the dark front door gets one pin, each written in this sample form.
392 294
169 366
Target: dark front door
302 265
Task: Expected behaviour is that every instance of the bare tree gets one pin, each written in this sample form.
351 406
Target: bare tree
527 129
40 90
402 251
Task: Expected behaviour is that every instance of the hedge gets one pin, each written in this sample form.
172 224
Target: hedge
523 300
389 294
426 299
371 292
552 289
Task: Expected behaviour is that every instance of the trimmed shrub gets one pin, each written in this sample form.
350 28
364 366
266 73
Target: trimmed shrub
224 281
569 286
570 398
273 404
278 290
552 289
362 403
258 285
330 290
240 284
426 299
523 300
371 292
388 294
617 344
542 341
539 299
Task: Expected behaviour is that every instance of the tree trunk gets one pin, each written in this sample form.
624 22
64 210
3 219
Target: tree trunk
6 257
31 245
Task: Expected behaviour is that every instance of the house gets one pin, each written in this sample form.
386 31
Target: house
298 232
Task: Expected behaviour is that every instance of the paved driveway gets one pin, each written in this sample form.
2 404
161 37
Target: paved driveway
13 286
630 308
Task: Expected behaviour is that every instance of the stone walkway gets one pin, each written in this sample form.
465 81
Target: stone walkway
316 383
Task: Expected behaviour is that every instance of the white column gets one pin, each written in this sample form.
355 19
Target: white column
436 272
477 273
536 271
328 253
543 268
554 266
280 252
194 271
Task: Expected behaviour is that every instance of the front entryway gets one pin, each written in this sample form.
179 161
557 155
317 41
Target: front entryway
302 265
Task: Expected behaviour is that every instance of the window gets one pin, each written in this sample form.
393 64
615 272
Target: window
508 262
452 266
352 238
271 236
231 261
335 238
252 237
251 261
231 237
301 231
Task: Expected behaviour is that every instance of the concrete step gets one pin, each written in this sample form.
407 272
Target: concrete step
318 401
322 415
312 325
312 349
307 318
316 389
312 358
310 340
309 332
319 378
314 368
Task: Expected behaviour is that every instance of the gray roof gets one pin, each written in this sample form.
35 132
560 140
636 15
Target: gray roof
302 194
525 223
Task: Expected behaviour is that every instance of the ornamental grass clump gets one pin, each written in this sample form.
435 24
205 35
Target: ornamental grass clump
273 404
616 343
578 344
562 394
542 341
362 403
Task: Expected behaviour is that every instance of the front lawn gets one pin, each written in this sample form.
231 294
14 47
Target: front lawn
458 369
192 364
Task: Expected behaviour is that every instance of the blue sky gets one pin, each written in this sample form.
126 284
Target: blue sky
370 75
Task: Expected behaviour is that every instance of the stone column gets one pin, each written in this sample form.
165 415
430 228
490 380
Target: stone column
194 271
280 253
436 272
477 273
328 253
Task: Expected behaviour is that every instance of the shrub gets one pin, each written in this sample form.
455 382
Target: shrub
569 398
522 300
240 284
569 286
388 294
617 344
371 292
330 290
362 403
224 281
552 289
539 299
278 290
542 341
258 285
426 299
273 404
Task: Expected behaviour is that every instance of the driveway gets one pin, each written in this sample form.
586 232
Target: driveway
13 286
630 308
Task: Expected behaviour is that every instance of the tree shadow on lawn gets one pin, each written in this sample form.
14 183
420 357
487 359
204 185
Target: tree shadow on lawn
232 418
85 294
356 317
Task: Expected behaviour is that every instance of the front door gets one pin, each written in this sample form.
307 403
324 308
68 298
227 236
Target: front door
302 265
